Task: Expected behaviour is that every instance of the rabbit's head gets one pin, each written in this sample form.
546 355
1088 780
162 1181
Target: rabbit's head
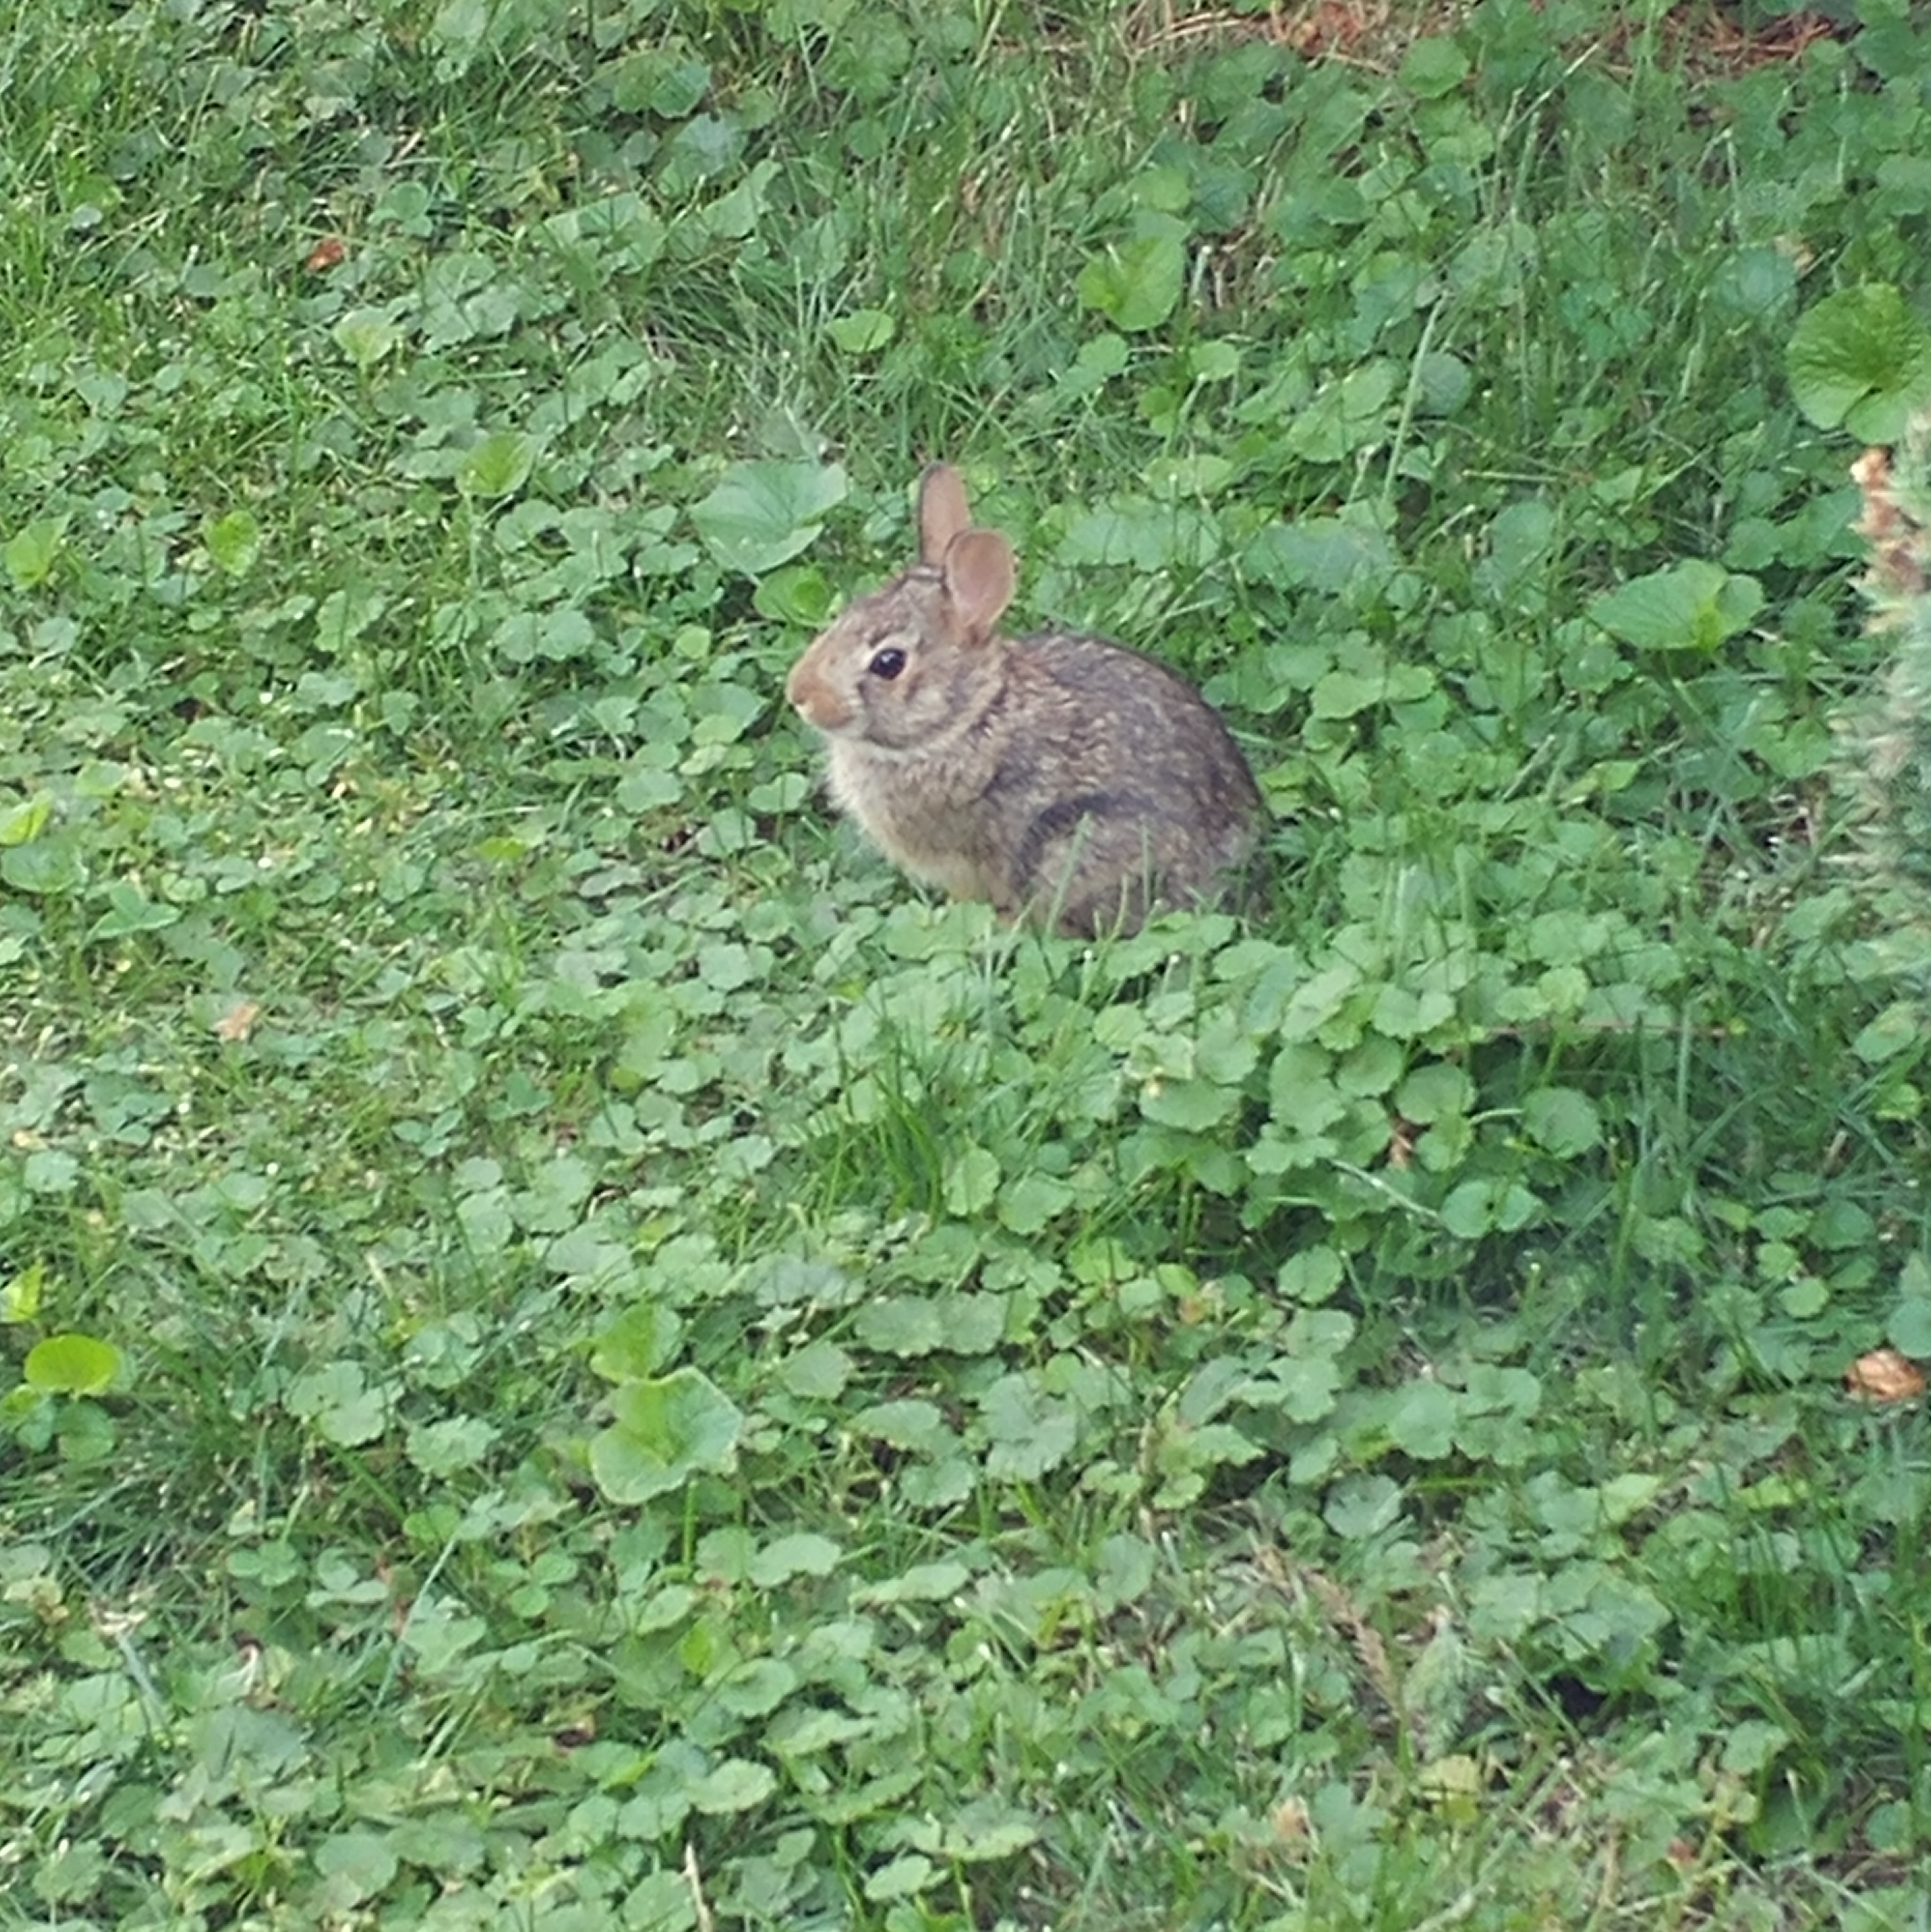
899 666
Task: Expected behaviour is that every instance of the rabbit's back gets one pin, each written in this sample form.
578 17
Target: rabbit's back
1125 792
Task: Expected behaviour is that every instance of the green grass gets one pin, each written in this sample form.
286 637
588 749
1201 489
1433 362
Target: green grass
627 1370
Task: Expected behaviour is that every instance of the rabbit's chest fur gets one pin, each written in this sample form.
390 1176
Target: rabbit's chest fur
927 807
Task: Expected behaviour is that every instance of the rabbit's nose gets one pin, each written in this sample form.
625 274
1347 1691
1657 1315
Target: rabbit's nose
814 699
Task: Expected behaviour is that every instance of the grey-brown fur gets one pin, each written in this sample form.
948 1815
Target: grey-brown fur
1066 779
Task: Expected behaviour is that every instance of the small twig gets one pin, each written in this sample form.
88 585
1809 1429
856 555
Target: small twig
1452 1914
694 1878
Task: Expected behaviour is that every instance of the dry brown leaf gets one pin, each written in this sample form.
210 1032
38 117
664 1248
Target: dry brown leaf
239 1021
1292 1825
1884 1375
1377 34
1328 27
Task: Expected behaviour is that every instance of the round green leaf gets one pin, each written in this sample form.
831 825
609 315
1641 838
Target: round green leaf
1326 554
804 1554
1193 1105
1311 1276
1562 1120
799 594
971 1181
51 866
1421 1420
22 823
1030 1201
50 1171
903 1877
638 1343
668 1430
71 1365
130 910
365 336
900 1325
737 1784
29 553
1434 1092
498 467
1909 1327
234 541
357 1863
1433 67
1362 1506
1136 285
762 515
1896 1030
1695 605
863 331
1861 358
1028 1432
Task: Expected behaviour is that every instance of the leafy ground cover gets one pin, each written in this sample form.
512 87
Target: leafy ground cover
577 1354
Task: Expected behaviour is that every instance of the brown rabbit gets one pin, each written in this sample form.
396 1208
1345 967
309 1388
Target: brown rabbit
1066 779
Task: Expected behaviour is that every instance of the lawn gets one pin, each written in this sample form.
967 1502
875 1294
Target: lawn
576 1351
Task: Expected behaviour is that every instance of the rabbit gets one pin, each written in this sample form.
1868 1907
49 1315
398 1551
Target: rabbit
1071 781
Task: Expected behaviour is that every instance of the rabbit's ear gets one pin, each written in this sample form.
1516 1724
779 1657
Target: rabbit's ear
943 514
978 571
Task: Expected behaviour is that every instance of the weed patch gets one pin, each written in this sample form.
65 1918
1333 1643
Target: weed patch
575 1351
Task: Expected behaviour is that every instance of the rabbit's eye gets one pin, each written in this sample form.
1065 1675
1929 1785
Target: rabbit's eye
888 663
